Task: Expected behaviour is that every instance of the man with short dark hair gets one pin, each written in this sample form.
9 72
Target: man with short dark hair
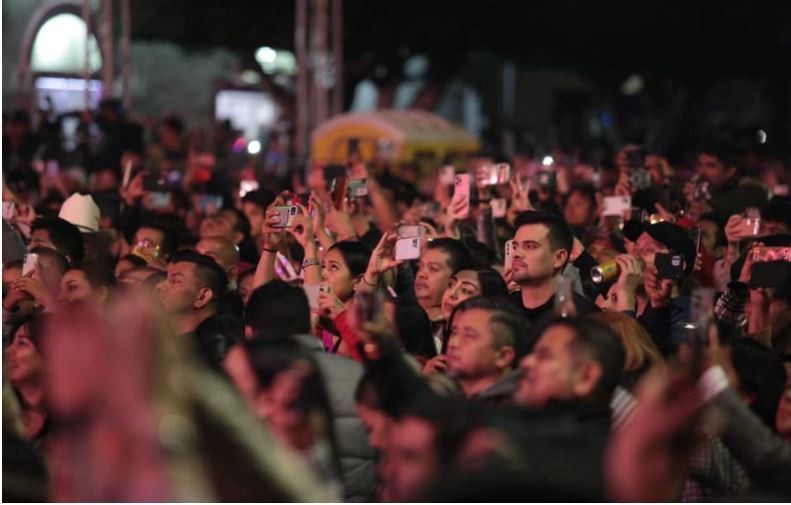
58 234
192 296
484 346
572 361
541 250
730 190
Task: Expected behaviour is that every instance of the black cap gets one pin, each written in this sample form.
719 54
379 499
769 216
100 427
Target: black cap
676 239
632 229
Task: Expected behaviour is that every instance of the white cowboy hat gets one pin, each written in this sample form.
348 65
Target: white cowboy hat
81 211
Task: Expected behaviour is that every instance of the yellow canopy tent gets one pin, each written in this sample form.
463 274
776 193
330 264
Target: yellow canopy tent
393 135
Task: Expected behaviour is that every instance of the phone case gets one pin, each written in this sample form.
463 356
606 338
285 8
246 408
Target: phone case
509 255
461 190
29 267
312 292
616 205
286 216
407 248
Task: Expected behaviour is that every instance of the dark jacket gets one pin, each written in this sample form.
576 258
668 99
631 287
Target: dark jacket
544 313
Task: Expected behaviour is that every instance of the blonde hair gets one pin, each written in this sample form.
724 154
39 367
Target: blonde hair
640 349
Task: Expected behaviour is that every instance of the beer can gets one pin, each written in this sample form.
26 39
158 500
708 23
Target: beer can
605 272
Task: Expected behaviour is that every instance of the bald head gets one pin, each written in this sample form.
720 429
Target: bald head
223 251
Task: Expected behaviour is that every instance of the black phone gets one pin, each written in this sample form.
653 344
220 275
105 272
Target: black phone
154 182
770 274
696 234
669 266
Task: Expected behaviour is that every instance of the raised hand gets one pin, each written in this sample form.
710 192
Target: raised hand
437 364
329 304
629 280
382 258
520 195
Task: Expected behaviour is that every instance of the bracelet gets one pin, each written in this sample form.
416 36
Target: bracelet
368 283
310 262
275 251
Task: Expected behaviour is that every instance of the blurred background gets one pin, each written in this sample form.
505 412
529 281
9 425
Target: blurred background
521 76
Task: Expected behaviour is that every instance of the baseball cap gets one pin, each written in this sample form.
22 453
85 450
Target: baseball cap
676 239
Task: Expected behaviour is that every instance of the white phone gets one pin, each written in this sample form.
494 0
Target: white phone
30 265
407 248
616 205
9 210
312 291
461 191
509 255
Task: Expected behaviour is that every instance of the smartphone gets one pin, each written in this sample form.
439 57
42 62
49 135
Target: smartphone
30 265
640 178
338 191
499 207
409 231
461 190
766 254
357 188
696 234
246 186
669 266
616 205
407 248
497 174
286 215
547 179
127 174
210 204
509 255
154 182
639 215
447 175
158 199
770 274
312 292
9 210
750 226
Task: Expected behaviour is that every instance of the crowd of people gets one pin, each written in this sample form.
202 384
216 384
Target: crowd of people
183 321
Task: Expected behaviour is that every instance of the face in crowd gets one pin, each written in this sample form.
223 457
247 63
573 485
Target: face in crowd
464 284
553 371
432 277
473 350
534 259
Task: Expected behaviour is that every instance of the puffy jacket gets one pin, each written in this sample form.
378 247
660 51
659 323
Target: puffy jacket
356 457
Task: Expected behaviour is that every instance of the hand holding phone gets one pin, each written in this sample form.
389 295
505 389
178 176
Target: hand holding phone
616 205
461 195
282 216
669 266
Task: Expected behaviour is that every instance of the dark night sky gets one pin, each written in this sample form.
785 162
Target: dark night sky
680 37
